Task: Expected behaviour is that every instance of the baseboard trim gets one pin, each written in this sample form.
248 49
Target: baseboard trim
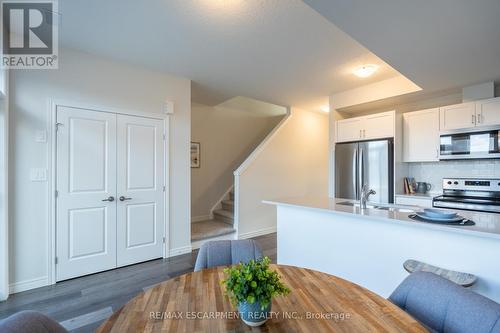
200 218
197 244
180 250
20 286
256 233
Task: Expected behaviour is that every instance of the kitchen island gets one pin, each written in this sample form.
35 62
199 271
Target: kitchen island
369 246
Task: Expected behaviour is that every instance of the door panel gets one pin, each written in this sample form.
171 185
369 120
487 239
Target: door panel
87 232
141 228
457 116
379 126
421 136
376 169
86 175
140 151
346 168
349 129
488 112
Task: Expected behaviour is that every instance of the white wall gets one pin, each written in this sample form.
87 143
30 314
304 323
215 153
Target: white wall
96 81
227 137
293 162
4 204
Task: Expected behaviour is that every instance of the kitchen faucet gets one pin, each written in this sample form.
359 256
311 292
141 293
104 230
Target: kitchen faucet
365 193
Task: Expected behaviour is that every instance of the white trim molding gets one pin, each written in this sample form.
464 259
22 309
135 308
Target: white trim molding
20 286
197 244
257 233
196 219
241 169
51 153
180 250
4 186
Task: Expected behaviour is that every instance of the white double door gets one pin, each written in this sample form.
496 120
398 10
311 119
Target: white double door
110 185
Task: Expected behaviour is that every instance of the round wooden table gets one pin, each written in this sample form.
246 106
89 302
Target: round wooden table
318 302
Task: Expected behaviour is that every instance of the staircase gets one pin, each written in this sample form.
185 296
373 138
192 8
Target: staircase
222 224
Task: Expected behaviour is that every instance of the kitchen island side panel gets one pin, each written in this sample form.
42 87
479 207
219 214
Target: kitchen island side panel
371 252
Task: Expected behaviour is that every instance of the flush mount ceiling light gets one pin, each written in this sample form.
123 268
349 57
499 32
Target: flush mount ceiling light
365 70
325 108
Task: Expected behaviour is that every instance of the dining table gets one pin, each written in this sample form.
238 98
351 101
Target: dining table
317 302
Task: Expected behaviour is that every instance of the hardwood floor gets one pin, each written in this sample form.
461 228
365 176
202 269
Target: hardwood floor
82 304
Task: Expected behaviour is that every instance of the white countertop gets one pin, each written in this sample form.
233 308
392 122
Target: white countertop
487 224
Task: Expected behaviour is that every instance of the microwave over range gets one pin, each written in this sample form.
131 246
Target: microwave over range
470 145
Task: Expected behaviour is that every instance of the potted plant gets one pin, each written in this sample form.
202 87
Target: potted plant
251 287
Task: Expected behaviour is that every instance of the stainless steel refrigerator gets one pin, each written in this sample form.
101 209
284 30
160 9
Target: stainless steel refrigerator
366 162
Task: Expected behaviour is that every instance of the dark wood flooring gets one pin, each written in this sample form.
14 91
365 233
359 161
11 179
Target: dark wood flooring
82 304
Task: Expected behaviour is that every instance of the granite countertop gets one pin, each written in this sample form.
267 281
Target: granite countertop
487 224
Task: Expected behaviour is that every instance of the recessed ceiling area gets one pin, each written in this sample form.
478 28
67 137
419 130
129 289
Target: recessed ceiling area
282 52
439 45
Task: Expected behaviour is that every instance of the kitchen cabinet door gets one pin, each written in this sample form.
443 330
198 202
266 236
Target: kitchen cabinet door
421 136
380 125
457 116
349 129
488 112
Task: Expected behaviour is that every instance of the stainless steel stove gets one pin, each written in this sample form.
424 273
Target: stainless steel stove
470 194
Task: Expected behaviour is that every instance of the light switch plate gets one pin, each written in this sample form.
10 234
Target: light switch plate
38 175
168 107
41 136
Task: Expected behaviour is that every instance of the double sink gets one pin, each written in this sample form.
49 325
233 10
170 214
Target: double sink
391 208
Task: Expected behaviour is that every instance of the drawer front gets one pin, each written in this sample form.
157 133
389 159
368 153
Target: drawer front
421 202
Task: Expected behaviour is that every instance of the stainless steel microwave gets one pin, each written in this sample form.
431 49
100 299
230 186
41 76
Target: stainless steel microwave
470 145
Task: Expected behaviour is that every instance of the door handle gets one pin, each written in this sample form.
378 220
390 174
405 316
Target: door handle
122 198
110 199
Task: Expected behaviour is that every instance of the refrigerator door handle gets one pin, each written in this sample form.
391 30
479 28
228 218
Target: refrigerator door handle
360 170
355 172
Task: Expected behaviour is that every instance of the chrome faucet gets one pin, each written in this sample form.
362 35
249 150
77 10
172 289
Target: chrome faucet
365 193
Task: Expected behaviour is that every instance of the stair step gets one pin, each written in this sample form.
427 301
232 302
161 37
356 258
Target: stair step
228 205
224 216
231 195
209 229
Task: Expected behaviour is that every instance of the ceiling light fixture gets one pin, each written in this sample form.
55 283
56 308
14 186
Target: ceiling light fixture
365 70
325 108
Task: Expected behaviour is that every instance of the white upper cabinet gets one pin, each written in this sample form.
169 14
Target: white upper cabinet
457 116
488 112
380 125
472 114
370 127
421 136
349 129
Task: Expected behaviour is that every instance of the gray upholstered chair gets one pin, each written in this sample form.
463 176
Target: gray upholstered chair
226 252
444 306
30 322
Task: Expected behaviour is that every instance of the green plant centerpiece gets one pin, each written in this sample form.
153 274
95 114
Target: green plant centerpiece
251 287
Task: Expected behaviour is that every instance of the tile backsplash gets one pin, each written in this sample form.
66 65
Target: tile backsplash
434 172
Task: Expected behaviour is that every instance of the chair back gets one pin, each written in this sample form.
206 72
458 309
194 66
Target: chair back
30 322
226 252
446 307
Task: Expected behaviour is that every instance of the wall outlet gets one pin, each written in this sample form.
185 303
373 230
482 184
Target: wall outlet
41 136
38 175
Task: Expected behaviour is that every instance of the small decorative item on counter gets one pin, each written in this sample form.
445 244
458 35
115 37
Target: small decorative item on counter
251 288
409 185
